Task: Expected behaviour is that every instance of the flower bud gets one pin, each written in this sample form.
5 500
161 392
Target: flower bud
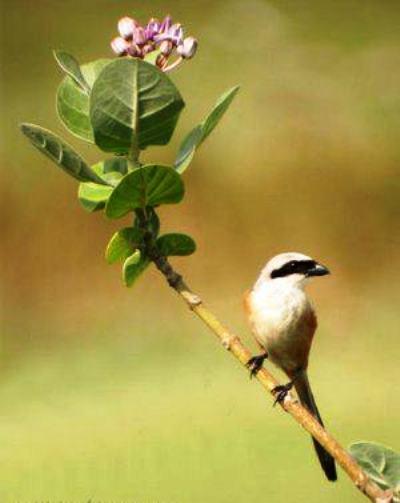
120 46
152 28
126 27
139 37
176 33
166 24
166 47
188 48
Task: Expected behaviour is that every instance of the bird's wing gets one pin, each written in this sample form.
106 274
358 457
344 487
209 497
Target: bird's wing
295 353
307 326
308 322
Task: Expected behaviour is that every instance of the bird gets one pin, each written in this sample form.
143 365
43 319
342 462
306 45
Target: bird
283 321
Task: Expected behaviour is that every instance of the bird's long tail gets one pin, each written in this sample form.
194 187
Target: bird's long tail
306 397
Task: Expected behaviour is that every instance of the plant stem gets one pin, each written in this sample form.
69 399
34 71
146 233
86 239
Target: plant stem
233 344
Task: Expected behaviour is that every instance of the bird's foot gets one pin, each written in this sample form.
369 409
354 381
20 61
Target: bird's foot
255 363
281 392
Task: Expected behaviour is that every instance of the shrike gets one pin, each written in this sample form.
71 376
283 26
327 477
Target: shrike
283 322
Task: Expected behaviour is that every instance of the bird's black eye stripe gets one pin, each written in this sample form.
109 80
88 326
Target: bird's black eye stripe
293 267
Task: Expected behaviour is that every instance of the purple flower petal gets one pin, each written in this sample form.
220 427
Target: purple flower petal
166 24
139 37
161 37
152 28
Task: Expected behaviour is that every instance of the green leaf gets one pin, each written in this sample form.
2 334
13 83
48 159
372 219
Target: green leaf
73 101
61 153
115 164
133 267
188 148
176 245
150 185
133 105
93 196
198 134
218 111
122 244
72 68
380 463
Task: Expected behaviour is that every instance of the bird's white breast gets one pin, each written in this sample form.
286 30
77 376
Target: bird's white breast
275 312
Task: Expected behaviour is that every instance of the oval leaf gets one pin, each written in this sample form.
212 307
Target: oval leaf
93 196
73 101
197 135
176 245
380 463
61 153
72 68
133 104
133 267
218 111
188 148
148 186
122 244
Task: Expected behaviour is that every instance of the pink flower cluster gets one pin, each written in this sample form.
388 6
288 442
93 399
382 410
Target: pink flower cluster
165 37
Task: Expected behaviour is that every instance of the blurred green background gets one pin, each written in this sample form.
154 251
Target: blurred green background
119 395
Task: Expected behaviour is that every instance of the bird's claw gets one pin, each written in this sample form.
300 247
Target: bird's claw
281 392
255 363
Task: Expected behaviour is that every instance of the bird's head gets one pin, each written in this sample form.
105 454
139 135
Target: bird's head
292 269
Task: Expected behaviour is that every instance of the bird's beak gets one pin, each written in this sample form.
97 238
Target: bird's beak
318 270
